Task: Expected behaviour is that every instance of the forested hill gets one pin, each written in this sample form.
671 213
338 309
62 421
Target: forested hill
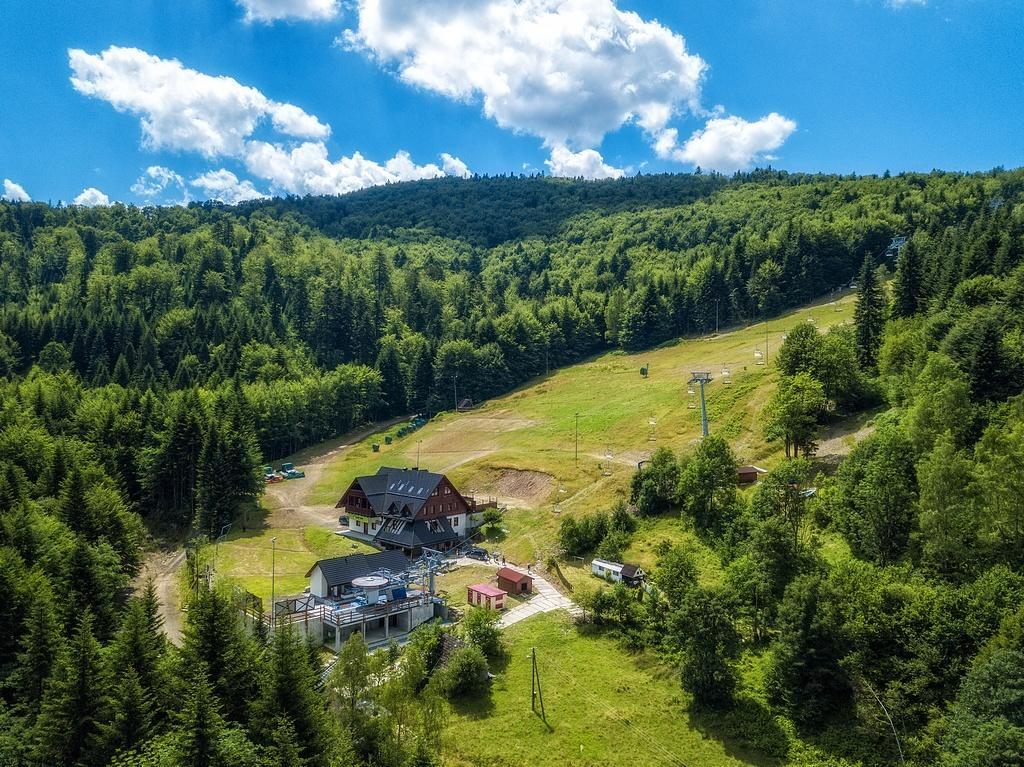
151 359
486 210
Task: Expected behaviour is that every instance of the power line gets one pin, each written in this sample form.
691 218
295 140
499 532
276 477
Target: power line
570 681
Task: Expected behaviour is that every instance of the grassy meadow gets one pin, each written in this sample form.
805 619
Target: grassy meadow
603 706
249 557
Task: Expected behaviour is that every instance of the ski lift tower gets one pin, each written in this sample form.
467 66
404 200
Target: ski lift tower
897 244
702 377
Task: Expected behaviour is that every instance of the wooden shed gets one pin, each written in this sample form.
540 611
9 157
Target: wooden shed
748 475
486 595
514 582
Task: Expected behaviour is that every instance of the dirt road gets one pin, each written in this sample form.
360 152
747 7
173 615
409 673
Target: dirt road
286 502
286 507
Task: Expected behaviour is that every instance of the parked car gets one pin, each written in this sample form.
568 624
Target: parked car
477 553
288 471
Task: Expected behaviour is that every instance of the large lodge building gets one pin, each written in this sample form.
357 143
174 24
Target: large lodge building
410 509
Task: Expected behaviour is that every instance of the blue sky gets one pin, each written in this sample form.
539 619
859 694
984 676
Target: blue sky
146 101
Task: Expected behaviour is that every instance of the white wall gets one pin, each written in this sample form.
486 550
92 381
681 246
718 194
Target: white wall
317 583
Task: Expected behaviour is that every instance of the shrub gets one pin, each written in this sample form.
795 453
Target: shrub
464 675
480 628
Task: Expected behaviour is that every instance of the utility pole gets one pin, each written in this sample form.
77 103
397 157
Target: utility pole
702 377
273 573
455 386
766 342
418 443
716 315
577 459
535 691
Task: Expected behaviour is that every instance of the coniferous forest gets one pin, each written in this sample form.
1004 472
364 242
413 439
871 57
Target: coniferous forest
154 358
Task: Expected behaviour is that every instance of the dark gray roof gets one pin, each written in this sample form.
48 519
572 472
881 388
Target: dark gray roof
400 488
629 571
421 532
340 571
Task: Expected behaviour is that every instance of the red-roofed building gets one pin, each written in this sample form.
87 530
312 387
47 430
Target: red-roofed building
486 595
514 582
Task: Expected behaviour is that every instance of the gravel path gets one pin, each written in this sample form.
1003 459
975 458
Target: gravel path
545 599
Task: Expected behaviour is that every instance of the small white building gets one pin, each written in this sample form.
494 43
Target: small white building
631 575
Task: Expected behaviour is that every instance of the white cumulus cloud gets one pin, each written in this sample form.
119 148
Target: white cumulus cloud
568 71
453 166
306 169
268 11
91 196
186 110
180 108
156 180
14 192
727 144
586 163
225 186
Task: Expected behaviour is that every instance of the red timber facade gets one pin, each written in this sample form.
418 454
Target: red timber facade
408 509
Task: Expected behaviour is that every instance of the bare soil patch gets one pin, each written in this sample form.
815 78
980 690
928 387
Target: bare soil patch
840 438
520 487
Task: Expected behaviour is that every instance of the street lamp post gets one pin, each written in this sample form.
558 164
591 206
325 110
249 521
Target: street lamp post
455 387
716 315
216 543
577 459
273 573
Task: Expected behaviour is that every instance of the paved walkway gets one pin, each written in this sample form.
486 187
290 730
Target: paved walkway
545 596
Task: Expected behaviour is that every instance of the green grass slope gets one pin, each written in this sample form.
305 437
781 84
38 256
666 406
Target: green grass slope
603 707
521 447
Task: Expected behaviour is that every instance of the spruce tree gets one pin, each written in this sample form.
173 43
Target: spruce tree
41 644
289 693
422 375
199 727
139 643
908 283
869 314
75 702
392 385
74 508
215 640
131 719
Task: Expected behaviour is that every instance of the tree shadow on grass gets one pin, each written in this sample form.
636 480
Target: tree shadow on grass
479 706
749 732
495 535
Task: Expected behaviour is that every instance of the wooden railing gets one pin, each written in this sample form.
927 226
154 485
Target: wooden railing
340 617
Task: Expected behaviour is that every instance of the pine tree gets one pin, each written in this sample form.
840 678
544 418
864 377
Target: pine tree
199 726
392 379
75 702
131 719
422 374
288 693
139 643
74 507
908 284
869 314
41 644
215 641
